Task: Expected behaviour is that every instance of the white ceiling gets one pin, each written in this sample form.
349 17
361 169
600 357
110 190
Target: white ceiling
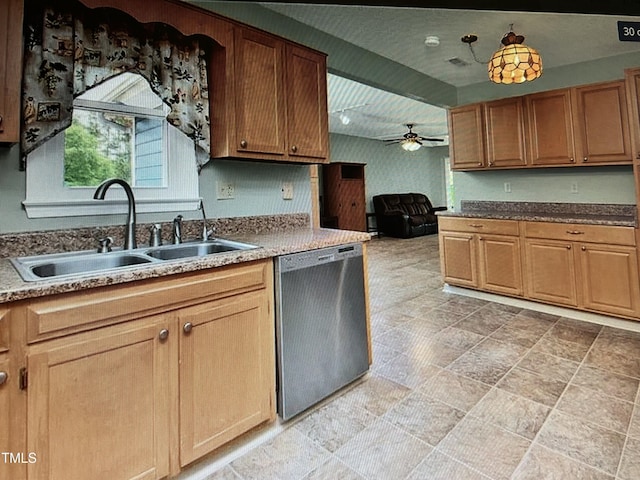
399 34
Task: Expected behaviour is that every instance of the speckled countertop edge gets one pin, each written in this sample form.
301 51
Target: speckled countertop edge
14 288
613 220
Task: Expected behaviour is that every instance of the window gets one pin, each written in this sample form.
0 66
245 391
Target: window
118 130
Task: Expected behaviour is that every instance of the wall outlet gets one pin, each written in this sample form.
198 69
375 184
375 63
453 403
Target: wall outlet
574 187
287 190
507 187
225 190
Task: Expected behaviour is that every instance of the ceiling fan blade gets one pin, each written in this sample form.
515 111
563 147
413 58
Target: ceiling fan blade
393 140
432 139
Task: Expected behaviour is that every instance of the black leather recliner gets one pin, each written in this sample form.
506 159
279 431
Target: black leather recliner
405 215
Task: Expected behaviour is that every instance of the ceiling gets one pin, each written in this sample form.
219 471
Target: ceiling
399 34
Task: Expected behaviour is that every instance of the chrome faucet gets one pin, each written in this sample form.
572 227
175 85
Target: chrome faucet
130 227
205 231
177 229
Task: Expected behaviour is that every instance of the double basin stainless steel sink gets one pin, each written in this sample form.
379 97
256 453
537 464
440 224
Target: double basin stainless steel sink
41 267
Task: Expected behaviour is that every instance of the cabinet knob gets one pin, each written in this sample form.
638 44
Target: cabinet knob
294 149
163 335
480 238
585 159
568 247
1 124
3 375
187 327
491 164
243 143
572 160
479 164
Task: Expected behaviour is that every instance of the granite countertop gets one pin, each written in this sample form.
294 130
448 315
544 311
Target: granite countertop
594 214
272 244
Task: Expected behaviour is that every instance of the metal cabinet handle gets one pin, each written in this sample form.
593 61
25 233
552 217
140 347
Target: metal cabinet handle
575 232
243 143
4 376
187 327
294 149
163 335
476 225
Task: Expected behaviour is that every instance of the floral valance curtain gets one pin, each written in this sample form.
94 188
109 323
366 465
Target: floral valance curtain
70 48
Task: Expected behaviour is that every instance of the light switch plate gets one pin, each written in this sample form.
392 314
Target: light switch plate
225 190
287 190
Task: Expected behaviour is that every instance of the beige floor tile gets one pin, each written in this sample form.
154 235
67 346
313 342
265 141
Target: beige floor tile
383 451
549 366
543 464
289 456
514 413
634 425
552 345
424 417
485 447
332 425
486 320
376 394
455 390
596 407
333 469
438 466
616 351
533 386
226 473
488 362
582 441
630 463
609 383
408 370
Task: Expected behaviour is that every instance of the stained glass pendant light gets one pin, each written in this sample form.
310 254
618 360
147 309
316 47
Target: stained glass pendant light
514 62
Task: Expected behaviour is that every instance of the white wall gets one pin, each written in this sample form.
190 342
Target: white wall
594 184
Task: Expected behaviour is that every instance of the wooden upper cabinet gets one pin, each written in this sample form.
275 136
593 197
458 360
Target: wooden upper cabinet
11 12
505 139
550 129
276 106
602 123
307 111
259 95
466 144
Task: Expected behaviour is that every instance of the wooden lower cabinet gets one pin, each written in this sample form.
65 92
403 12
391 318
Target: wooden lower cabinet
98 404
487 261
500 267
609 275
135 381
551 271
227 374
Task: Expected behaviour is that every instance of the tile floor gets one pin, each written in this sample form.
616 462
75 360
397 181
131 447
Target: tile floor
463 388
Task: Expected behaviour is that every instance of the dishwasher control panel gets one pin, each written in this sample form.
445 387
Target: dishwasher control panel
310 258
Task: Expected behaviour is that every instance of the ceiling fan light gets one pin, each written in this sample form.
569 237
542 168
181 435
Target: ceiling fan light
514 62
345 120
410 145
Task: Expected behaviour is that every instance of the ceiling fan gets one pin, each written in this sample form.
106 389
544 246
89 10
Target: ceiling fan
411 141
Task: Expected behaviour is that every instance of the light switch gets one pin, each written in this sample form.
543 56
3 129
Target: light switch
287 190
225 190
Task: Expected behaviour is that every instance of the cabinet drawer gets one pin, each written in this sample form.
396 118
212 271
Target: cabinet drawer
478 225
616 235
78 311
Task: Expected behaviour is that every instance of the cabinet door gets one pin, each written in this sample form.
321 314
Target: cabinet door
458 258
10 69
550 128
504 120
610 278
551 273
602 123
307 116
466 138
351 211
98 404
227 371
500 267
260 107
5 410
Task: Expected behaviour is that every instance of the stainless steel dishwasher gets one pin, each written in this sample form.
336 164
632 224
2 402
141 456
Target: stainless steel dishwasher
321 328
